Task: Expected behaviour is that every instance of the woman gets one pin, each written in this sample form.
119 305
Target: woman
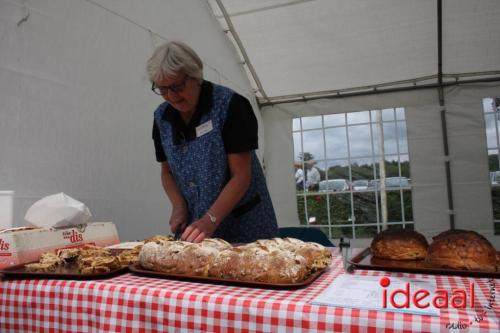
205 137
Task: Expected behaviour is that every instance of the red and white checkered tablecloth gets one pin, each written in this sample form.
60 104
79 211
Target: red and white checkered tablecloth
130 303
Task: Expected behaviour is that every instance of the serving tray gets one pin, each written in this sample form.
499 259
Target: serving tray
365 260
68 272
138 269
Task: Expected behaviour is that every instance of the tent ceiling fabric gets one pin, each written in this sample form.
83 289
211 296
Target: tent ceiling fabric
471 36
300 47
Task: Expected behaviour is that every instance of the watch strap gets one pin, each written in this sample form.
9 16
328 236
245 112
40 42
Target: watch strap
212 218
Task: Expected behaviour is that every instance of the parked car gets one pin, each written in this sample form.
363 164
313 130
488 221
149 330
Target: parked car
390 182
359 185
335 185
374 184
397 182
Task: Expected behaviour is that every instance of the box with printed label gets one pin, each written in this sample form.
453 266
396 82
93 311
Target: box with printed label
23 245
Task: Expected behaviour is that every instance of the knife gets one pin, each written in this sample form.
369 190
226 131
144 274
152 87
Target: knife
180 231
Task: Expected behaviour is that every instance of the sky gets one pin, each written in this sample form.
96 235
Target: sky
332 143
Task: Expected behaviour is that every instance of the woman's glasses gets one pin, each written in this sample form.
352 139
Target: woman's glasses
176 87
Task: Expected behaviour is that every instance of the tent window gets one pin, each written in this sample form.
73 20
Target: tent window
491 107
352 172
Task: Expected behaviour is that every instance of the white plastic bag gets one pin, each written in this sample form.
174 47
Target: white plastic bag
58 210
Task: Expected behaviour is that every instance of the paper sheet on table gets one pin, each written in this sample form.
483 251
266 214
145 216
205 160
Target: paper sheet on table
365 292
57 210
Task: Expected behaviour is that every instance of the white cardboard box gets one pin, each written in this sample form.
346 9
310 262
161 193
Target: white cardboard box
23 246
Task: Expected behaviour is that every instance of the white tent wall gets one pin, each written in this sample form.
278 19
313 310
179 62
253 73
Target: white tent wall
467 146
76 109
469 156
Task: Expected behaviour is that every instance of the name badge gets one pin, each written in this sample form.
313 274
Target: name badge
204 128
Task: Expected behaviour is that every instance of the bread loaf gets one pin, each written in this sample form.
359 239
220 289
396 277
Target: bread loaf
317 256
399 244
178 257
462 249
269 261
259 264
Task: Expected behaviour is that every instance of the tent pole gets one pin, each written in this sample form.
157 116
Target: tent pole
373 91
444 131
242 49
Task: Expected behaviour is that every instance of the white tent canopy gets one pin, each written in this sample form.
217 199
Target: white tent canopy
320 57
76 109
310 46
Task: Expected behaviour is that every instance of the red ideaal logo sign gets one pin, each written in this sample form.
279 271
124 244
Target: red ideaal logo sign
73 236
419 298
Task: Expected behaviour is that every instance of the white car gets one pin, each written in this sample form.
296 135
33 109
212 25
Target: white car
334 185
359 185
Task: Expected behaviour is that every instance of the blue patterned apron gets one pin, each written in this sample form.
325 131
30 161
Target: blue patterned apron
201 171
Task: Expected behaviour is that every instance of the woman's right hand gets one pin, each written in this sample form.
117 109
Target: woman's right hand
178 218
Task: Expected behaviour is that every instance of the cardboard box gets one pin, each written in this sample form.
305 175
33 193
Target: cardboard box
26 245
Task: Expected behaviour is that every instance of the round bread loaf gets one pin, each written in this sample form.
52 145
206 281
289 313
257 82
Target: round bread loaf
399 244
462 249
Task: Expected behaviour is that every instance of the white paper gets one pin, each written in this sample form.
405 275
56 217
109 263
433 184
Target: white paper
58 210
365 292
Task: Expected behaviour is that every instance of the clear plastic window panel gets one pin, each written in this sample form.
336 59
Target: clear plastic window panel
340 161
491 108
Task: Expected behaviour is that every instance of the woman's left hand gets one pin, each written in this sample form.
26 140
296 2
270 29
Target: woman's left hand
199 230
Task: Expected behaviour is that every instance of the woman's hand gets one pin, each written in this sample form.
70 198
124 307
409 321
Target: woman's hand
178 218
199 230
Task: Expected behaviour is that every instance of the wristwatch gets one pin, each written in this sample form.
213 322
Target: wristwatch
212 218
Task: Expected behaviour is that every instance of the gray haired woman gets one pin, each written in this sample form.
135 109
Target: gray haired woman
205 137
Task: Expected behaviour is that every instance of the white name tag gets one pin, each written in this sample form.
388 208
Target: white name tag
204 128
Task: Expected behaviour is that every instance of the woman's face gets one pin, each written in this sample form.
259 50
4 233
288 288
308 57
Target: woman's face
180 90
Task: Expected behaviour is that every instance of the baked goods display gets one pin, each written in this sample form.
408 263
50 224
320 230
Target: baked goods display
461 249
453 250
269 261
399 244
87 260
129 257
48 263
158 239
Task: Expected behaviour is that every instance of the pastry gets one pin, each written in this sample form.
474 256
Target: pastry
159 239
87 260
129 257
40 268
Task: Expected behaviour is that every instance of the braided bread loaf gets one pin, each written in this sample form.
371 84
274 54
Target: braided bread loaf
269 261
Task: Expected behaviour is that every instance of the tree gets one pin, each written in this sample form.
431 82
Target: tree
306 156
